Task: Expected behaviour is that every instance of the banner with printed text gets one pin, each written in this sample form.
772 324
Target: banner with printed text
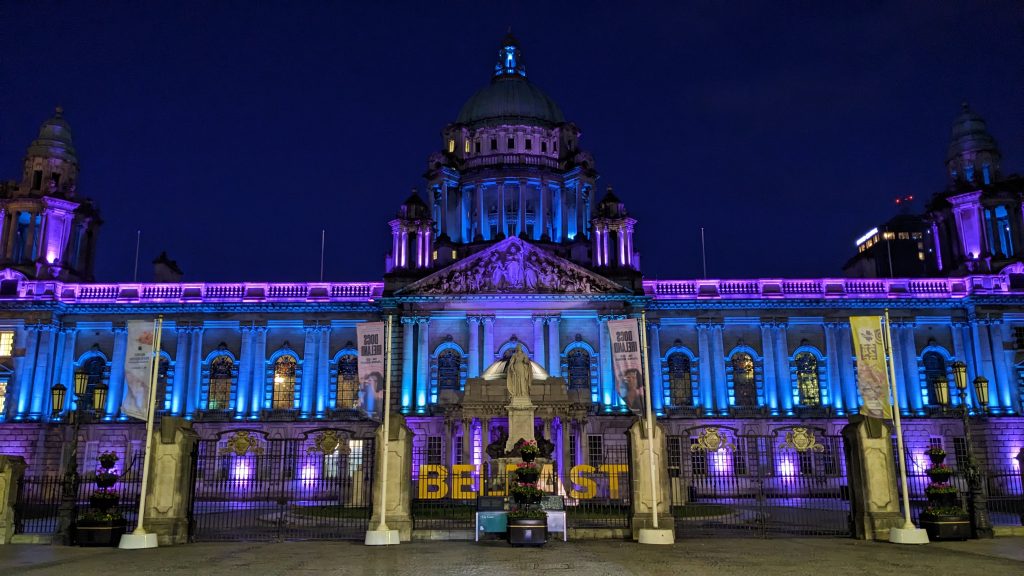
872 372
138 368
370 336
626 362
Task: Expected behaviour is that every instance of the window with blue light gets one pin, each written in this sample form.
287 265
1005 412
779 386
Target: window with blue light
346 395
743 380
1004 231
283 393
807 379
933 369
680 380
449 366
222 370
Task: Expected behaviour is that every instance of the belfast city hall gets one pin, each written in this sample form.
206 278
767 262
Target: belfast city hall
264 429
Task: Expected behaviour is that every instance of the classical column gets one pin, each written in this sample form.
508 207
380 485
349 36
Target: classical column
41 372
447 440
896 356
849 377
309 365
467 440
720 387
912 401
195 371
979 332
654 361
835 392
474 346
1002 400
407 360
564 437
66 371
423 361
488 342
771 396
502 216
522 208
704 371
485 438
323 370
606 380
543 205
181 371
116 391
538 341
24 376
243 393
554 347
259 370
782 368
964 352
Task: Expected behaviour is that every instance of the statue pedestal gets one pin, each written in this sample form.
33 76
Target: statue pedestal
520 421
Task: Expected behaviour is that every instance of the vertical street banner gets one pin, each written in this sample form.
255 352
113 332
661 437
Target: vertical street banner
370 336
872 372
627 364
138 369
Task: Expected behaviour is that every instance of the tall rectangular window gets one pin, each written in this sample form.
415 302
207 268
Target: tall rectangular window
675 456
355 456
698 461
434 450
511 144
572 449
6 343
3 397
494 144
960 451
595 445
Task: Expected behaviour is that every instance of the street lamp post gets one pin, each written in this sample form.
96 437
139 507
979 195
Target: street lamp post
70 482
977 503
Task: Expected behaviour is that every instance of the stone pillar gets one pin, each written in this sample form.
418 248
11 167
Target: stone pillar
195 371
244 372
12 468
605 380
912 400
488 342
116 392
467 440
871 473
40 381
564 437
323 370
835 391
180 378
783 379
474 346
309 366
170 479
554 347
399 485
422 363
720 388
640 466
407 357
23 388
538 341
654 360
705 369
259 369
771 396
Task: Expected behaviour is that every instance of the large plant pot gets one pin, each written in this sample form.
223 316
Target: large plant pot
99 532
527 531
946 527
939 477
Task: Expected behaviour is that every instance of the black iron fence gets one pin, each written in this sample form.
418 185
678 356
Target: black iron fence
39 498
282 489
756 486
596 494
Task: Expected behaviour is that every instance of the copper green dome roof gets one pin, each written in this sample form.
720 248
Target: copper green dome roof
510 98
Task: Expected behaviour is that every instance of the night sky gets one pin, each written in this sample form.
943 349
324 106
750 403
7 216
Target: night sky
232 134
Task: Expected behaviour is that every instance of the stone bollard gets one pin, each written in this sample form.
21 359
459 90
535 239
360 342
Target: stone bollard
12 468
872 477
399 485
170 478
640 474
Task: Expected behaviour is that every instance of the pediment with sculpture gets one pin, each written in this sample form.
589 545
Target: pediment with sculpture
513 266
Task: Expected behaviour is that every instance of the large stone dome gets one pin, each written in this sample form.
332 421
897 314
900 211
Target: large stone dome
970 135
510 98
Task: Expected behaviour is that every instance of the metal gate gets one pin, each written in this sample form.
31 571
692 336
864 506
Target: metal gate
247 487
789 484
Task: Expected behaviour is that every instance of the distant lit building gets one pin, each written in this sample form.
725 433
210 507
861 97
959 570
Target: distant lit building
902 247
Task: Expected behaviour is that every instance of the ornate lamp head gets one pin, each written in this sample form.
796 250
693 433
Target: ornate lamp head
57 394
981 391
81 383
941 385
959 375
99 397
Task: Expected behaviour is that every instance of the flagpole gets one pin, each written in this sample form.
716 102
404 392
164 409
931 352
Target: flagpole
908 533
139 538
653 535
384 536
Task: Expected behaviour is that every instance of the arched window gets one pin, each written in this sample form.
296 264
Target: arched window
348 382
283 397
219 397
680 383
94 367
807 379
934 369
449 364
578 364
744 383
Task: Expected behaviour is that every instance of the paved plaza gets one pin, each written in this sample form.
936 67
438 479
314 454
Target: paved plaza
719 557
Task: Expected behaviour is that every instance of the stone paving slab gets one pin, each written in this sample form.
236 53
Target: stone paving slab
721 557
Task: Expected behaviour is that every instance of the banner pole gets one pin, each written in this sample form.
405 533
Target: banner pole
654 535
382 535
908 533
139 538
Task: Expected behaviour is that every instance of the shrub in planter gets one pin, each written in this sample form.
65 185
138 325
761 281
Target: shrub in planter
527 473
101 525
107 460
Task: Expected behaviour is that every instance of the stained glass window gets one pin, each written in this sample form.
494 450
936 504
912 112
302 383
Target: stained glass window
449 364
807 379
578 361
680 384
220 383
348 382
744 384
283 397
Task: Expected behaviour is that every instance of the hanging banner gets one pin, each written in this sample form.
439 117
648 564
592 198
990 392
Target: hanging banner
626 362
872 373
370 336
138 368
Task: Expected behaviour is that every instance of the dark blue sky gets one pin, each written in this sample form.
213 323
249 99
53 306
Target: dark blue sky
231 134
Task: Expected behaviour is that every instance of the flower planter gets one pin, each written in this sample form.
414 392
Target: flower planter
528 475
953 527
939 477
937 458
99 532
527 531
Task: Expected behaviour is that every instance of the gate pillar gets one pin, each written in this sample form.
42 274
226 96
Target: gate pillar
399 491
640 479
170 481
12 468
871 473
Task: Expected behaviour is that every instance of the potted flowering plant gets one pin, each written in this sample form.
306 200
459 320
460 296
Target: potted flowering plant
527 473
528 449
527 521
939 473
102 524
944 518
936 454
107 460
